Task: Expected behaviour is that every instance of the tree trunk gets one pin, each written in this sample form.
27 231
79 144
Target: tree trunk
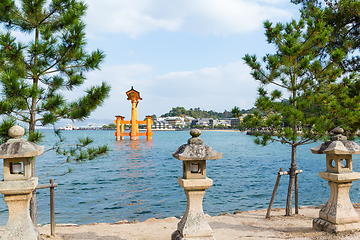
288 211
33 201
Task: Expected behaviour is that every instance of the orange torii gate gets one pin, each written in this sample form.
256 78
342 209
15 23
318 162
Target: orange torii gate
134 134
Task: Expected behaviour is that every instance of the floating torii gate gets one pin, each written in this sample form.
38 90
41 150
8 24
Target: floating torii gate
134 134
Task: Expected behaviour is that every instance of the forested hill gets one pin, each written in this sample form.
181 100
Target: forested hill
197 113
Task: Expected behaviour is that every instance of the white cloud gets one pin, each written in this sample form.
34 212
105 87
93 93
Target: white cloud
121 77
131 17
201 16
215 89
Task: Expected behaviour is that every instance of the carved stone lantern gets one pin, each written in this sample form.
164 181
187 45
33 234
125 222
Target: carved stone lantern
194 181
18 184
338 214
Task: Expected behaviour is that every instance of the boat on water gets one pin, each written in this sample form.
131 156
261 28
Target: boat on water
68 127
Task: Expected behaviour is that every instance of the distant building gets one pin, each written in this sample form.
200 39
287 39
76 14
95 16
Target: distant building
173 121
226 122
234 122
179 122
187 120
202 122
161 124
211 122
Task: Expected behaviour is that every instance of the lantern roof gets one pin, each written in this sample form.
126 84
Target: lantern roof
133 94
338 144
18 147
195 149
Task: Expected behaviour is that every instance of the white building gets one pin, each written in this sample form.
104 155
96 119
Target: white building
160 124
179 122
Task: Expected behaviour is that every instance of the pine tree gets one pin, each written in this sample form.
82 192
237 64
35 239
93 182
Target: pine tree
307 102
35 75
344 17
235 112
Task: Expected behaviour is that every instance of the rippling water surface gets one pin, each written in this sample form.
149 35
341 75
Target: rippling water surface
138 179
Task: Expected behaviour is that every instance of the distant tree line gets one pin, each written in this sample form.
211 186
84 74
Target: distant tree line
198 113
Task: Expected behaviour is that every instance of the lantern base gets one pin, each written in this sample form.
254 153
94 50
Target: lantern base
177 236
193 224
340 177
18 187
17 195
323 225
195 184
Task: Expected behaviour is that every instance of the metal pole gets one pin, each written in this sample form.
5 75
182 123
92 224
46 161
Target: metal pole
52 207
274 193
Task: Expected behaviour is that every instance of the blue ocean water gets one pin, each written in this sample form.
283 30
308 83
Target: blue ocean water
138 179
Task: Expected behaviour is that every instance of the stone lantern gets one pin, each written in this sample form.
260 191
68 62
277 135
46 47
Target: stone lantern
18 184
338 214
194 181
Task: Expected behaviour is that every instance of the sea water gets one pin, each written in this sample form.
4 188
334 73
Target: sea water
138 179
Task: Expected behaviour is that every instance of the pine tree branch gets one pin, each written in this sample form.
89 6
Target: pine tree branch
280 42
309 36
279 85
273 82
52 169
65 145
309 141
59 70
25 63
6 64
19 15
48 16
282 141
18 113
308 49
56 62
305 141
43 82
18 119
324 68
350 30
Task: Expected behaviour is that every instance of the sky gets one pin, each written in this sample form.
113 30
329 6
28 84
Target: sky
185 53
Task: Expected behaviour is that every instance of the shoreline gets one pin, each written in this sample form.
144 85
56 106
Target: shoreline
168 130
220 130
226 226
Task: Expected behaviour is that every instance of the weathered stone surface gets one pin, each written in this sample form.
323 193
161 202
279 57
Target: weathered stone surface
339 163
196 152
19 225
340 177
195 149
337 147
16 131
177 236
193 224
338 144
339 209
323 225
338 214
18 187
20 148
195 184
